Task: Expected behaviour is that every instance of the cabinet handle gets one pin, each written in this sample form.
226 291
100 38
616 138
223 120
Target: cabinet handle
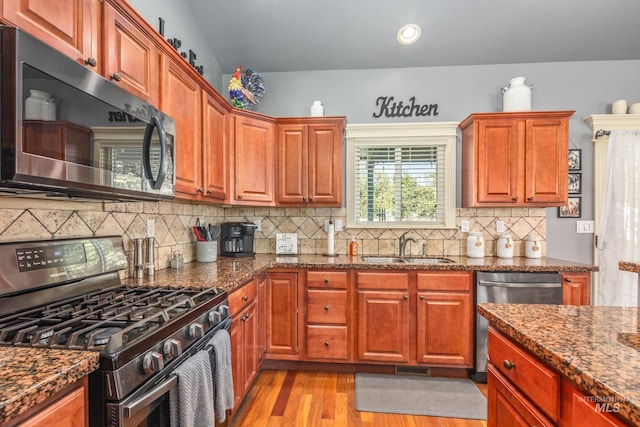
508 365
568 279
326 308
116 76
326 280
91 61
405 296
245 297
515 199
326 343
530 199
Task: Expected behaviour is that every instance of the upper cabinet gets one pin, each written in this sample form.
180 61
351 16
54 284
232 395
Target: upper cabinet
515 159
72 26
309 162
254 159
215 147
131 58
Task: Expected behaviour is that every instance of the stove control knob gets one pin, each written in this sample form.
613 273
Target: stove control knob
224 310
152 362
172 348
196 330
214 317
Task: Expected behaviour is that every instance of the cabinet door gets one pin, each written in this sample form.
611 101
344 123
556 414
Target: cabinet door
292 163
181 100
506 406
580 409
250 347
325 164
254 160
215 151
576 288
237 360
282 313
497 161
383 326
262 316
71 26
131 58
546 164
444 328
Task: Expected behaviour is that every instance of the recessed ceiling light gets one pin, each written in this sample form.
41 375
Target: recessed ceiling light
408 34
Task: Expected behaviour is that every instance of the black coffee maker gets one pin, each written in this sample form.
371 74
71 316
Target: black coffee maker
236 239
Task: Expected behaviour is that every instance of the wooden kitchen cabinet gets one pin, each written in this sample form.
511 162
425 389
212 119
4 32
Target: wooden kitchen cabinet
445 319
262 316
181 99
131 58
581 409
515 159
383 317
282 315
309 162
244 338
327 315
72 27
576 288
254 159
215 147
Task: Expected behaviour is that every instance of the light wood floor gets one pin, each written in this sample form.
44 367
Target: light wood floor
291 398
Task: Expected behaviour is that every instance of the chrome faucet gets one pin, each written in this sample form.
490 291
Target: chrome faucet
403 242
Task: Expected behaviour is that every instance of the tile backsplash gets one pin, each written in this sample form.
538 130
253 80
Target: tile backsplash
36 219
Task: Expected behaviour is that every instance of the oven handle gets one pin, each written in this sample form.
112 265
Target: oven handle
518 285
135 406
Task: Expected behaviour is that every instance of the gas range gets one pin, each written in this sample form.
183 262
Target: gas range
67 294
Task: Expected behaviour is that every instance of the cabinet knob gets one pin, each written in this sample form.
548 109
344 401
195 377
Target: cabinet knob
239 196
568 279
508 365
530 199
91 61
311 199
326 308
326 280
422 297
116 76
304 199
245 298
326 343
515 199
405 296
209 191
200 190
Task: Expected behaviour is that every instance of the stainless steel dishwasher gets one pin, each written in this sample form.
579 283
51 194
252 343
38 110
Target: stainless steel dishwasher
510 287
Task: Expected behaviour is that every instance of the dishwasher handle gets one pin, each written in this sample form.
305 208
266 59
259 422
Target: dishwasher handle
519 285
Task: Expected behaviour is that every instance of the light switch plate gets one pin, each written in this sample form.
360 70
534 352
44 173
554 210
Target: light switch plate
499 226
464 226
337 228
585 227
151 228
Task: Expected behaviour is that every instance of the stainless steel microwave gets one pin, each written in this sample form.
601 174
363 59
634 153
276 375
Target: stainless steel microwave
66 130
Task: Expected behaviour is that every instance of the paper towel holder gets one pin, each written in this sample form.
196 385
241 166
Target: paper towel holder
330 239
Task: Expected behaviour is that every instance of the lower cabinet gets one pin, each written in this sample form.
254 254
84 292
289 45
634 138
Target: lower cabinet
282 315
244 339
576 288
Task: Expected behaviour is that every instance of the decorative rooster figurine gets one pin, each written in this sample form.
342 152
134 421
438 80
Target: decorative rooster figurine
245 91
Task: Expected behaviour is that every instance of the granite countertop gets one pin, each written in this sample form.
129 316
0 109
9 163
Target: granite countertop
598 348
634 267
30 375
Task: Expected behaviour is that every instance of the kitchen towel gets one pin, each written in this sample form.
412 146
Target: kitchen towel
222 378
193 405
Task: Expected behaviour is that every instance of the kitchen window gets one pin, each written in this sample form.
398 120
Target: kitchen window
401 175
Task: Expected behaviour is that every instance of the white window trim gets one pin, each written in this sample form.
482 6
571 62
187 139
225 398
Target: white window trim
444 133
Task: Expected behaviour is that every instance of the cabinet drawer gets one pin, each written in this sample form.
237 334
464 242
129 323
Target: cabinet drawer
241 297
375 280
327 306
454 281
326 342
327 279
535 380
582 409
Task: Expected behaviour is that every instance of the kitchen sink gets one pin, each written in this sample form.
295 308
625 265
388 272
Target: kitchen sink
411 260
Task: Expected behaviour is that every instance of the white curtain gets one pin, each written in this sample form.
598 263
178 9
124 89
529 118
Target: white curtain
619 222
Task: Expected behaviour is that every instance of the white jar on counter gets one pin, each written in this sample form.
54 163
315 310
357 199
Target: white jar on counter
475 245
505 246
533 247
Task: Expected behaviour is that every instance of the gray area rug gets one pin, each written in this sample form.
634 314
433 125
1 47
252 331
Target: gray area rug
406 394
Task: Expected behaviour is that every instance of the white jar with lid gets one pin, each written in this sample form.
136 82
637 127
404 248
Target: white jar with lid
533 247
475 245
505 246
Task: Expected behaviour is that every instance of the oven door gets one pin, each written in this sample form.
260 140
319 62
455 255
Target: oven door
149 405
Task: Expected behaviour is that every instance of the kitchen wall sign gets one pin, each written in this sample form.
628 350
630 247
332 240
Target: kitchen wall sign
388 107
177 43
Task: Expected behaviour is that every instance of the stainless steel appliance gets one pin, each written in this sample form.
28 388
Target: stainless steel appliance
85 138
237 239
510 287
66 294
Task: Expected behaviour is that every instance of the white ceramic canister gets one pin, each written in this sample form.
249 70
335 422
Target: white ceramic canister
317 109
39 106
533 247
475 245
505 246
516 97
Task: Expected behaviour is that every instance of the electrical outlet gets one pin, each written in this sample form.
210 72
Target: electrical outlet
151 228
337 223
464 226
499 226
258 223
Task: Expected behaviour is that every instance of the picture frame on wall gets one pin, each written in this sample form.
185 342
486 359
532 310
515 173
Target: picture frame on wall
575 159
575 183
573 208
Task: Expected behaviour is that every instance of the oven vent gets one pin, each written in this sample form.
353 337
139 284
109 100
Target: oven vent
413 370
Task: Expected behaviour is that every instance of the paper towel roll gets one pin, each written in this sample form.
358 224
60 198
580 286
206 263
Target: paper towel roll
330 237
